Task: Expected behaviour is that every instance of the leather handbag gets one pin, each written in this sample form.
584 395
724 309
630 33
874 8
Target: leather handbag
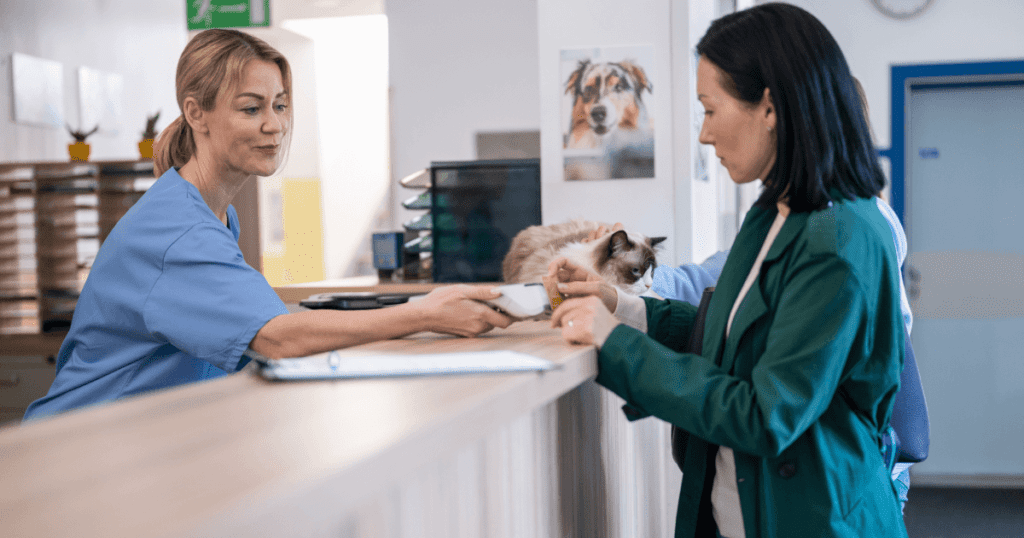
909 414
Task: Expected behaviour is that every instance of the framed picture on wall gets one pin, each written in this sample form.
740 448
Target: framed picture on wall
100 100
608 129
38 90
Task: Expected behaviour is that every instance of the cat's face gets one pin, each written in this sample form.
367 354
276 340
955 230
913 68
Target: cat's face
627 261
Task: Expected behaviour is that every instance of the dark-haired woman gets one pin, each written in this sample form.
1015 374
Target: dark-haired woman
787 405
169 299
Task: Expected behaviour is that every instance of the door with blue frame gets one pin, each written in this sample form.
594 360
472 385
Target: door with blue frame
958 183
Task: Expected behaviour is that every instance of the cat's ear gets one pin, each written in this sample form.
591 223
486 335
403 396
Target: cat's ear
654 241
619 243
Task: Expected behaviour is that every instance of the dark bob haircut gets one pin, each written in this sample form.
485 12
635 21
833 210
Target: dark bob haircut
824 142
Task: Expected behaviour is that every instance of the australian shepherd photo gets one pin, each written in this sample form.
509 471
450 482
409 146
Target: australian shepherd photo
606 97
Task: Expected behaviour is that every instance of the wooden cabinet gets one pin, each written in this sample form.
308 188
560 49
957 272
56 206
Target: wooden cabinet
53 217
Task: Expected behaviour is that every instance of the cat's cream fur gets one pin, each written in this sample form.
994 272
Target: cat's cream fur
624 260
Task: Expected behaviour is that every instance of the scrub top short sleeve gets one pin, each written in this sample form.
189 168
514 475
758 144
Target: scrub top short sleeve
208 305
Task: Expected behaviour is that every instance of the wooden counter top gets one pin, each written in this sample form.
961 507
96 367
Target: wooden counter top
241 456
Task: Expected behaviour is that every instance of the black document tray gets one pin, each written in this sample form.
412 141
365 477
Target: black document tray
355 300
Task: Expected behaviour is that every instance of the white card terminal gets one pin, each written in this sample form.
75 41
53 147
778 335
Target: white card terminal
522 300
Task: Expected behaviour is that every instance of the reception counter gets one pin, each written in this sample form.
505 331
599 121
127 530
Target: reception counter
524 454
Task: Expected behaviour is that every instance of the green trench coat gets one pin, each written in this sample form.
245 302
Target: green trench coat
801 389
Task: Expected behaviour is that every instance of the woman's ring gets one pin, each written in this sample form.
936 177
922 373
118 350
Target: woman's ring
570 323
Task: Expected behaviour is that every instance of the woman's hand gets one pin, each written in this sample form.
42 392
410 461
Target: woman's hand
602 230
457 310
575 281
584 320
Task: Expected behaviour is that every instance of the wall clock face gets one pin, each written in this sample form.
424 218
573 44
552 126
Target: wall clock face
902 9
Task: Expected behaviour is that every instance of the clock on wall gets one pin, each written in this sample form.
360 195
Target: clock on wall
902 9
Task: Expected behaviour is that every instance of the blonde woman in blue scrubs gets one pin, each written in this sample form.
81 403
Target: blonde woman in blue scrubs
169 299
787 406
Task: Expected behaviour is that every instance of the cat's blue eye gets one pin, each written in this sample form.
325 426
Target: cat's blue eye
636 271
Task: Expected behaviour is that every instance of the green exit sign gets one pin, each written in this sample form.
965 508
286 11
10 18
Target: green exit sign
203 14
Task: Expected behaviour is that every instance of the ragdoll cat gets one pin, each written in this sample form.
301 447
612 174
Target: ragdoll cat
622 259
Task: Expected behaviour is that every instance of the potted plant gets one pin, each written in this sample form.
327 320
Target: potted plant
146 144
79 150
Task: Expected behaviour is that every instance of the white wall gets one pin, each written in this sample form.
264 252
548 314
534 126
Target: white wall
351 58
457 67
282 10
140 41
949 31
711 194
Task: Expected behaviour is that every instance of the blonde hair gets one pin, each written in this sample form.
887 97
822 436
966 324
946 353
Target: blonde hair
212 60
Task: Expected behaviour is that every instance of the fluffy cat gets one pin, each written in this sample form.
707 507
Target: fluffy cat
622 259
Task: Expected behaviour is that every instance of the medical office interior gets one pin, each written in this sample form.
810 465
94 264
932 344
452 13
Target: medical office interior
387 91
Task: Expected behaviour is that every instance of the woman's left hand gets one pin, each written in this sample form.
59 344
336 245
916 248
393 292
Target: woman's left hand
571 280
584 320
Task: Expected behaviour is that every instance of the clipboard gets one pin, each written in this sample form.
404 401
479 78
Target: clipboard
335 365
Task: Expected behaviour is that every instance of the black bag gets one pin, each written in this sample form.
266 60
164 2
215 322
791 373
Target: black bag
695 345
909 413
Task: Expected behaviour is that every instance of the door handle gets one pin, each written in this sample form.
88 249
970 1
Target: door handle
912 280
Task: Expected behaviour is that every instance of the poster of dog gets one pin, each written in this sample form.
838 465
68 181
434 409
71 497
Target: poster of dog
608 130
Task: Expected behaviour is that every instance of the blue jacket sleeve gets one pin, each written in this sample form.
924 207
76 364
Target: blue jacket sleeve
207 301
687 282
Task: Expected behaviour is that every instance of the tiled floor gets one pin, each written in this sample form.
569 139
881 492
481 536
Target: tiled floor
964 513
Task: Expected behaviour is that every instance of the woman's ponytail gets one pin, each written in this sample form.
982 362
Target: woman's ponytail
174 146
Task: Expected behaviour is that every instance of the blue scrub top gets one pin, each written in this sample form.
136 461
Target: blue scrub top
169 300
